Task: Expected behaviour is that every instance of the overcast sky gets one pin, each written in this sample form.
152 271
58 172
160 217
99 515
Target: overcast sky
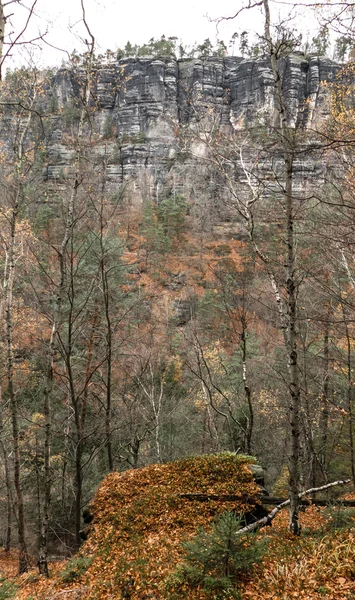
114 22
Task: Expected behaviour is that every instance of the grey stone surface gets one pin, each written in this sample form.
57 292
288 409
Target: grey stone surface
152 117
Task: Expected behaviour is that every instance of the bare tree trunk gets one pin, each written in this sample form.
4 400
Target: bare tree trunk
79 441
349 393
7 542
79 411
48 388
267 520
17 37
307 421
287 144
211 425
43 541
78 490
68 237
324 410
108 407
9 286
247 390
294 387
286 307
23 558
135 444
109 331
155 399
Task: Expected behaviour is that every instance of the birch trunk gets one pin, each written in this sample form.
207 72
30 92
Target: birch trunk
287 145
324 410
43 539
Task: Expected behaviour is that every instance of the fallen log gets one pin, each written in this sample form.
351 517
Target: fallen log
218 497
267 520
270 500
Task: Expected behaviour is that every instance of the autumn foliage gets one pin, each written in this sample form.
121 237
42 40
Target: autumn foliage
141 519
140 522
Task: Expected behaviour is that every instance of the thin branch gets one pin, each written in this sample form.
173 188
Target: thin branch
18 37
267 520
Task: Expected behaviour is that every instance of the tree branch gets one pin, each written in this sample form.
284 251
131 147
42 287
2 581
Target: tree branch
267 520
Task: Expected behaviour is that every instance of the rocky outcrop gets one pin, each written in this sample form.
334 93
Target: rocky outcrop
144 109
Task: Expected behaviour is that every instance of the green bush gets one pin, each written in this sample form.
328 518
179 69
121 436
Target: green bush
7 589
172 216
75 568
216 559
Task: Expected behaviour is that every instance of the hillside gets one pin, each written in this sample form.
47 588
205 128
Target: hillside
177 279
140 519
145 327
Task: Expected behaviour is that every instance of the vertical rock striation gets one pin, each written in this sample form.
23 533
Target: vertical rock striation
144 106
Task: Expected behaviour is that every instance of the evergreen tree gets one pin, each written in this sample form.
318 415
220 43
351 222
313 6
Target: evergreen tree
215 559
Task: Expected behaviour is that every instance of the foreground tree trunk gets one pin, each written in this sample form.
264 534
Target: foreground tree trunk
349 392
14 38
287 141
324 410
7 539
68 275
23 559
17 192
105 285
247 390
43 541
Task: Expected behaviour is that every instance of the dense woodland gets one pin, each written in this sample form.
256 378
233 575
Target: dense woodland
135 334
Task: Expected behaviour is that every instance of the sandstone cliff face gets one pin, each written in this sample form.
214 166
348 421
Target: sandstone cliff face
145 107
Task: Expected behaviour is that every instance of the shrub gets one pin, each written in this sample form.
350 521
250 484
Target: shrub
7 589
216 559
75 568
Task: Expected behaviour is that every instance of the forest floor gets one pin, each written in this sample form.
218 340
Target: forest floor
140 521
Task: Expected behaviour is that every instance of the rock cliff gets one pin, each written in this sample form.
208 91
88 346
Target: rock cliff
146 108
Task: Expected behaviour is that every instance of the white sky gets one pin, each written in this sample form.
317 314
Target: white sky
114 22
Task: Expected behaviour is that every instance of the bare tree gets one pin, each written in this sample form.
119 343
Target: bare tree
65 264
251 199
13 253
9 40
